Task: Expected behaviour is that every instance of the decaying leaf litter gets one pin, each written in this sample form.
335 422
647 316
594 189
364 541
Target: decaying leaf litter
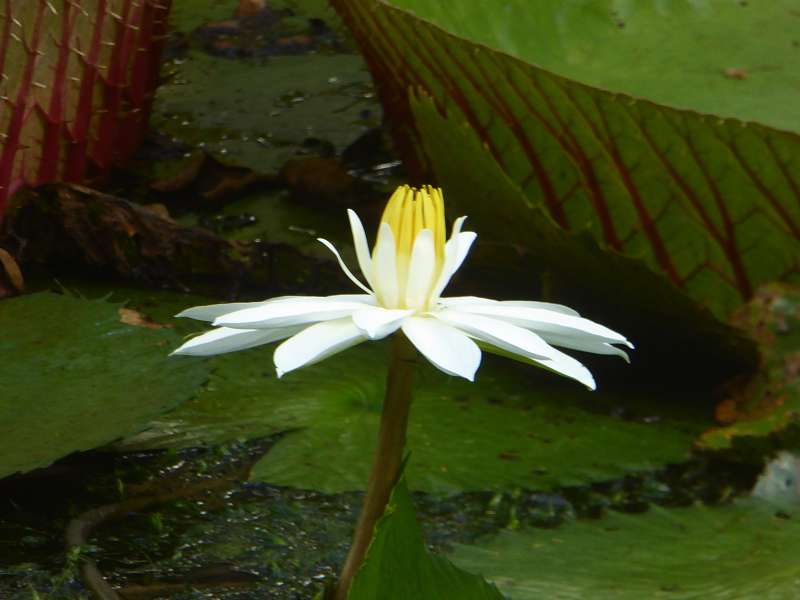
267 191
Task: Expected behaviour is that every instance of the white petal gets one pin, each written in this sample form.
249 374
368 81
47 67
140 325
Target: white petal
384 267
455 251
448 349
421 270
362 249
585 345
368 299
566 365
224 339
343 266
465 240
498 333
546 321
457 301
379 322
212 311
316 343
559 308
513 340
290 312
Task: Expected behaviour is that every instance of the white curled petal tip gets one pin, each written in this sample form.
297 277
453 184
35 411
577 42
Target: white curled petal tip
584 344
619 352
568 366
342 264
457 224
361 246
455 251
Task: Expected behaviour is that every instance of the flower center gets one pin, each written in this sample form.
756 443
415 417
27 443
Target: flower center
409 212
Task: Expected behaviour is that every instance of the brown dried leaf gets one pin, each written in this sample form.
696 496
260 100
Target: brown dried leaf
137 319
11 281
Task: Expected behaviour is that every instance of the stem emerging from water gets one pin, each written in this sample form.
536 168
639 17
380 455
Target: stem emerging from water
388 457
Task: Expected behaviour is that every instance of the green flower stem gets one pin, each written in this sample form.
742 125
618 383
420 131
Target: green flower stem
388 457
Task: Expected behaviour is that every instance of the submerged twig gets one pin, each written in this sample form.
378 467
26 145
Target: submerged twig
81 528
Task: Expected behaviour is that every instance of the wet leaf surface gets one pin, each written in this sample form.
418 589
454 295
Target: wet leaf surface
75 378
744 550
512 428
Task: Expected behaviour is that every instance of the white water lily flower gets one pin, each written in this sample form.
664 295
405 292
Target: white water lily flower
410 266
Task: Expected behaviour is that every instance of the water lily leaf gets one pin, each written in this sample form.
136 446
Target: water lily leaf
515 427
743 550
769 401
656 128
398 566
75 377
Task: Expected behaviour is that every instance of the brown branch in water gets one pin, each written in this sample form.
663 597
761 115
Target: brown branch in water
80 529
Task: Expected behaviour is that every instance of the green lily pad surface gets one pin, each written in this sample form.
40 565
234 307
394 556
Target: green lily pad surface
739 551
515 426
75 378
397 565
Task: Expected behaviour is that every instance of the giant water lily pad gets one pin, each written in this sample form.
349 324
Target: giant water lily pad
514 427
743 550
75 377
657 128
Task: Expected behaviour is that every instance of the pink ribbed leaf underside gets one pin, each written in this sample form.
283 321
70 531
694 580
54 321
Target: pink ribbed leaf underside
77 82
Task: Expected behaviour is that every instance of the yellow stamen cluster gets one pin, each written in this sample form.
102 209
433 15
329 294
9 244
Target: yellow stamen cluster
408 212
